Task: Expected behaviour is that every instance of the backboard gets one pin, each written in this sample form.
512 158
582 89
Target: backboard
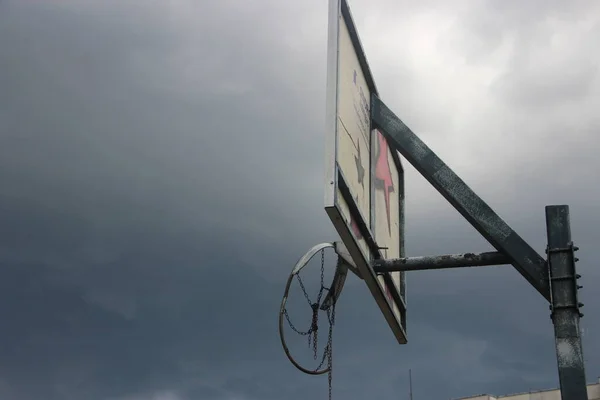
364 187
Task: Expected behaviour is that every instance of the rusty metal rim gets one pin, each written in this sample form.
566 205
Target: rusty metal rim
302 262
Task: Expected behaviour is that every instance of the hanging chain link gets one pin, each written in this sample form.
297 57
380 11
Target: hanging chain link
329 349
315 309
304 289
312 332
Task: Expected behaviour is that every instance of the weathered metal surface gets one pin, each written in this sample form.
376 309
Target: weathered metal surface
441 262
345 263
522 256
344 254
565 304
335 289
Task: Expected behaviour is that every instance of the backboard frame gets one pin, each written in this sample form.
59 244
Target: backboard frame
354 226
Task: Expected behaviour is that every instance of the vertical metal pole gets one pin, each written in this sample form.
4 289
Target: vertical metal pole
410 384
565 304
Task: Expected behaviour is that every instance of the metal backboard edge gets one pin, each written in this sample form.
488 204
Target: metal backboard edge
401 226
402 222
339 203
398 294
401 296
360 53
337 8
368 275
331 102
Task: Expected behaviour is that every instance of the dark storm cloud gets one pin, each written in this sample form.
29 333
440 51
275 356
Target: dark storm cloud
131 122
123 211
161 171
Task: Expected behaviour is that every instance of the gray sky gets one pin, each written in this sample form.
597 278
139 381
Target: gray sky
161 170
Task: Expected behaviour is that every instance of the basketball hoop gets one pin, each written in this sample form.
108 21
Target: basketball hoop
325 303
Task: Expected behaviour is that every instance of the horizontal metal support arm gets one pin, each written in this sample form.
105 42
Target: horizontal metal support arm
441 262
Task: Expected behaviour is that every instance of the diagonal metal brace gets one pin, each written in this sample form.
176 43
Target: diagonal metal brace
497 232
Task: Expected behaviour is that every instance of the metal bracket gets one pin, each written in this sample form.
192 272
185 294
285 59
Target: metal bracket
344 254
569 249
345 264
339 279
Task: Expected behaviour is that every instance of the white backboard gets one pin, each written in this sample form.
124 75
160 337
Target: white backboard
364 187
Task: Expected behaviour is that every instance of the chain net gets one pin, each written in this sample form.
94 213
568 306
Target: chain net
312 332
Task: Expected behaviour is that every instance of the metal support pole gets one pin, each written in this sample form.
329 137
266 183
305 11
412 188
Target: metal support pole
565 304
441 262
